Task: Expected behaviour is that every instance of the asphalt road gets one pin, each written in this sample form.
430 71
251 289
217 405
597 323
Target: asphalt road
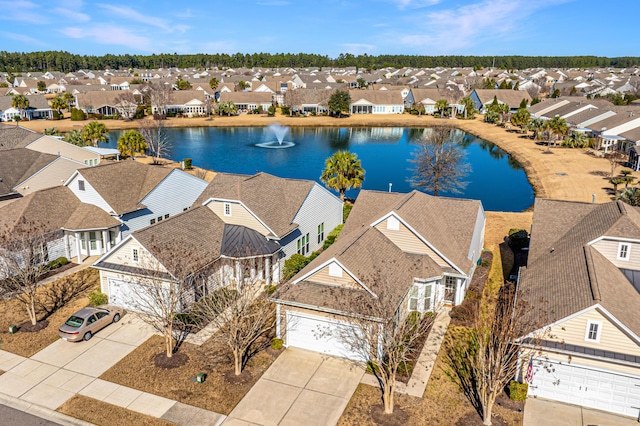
12 417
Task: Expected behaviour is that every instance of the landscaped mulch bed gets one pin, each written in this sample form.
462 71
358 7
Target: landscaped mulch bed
55 311
102 413
139 371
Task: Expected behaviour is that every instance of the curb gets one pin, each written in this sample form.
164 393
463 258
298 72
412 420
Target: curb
41 412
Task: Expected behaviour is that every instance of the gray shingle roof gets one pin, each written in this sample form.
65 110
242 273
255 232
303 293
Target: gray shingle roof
18 164
124 184
12 136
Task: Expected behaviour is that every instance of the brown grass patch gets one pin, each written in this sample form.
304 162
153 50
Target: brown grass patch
138 370
56 309
102 413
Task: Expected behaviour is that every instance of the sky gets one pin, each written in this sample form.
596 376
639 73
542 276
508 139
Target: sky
326 27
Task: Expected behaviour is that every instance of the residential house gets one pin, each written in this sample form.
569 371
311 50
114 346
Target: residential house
223 254
297 214
417 250
137 194
54 146
376 102
38 109
582 282
248 101
73 228
513 98
107 102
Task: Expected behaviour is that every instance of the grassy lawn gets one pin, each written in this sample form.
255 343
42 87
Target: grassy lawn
138 371
59 299
102 413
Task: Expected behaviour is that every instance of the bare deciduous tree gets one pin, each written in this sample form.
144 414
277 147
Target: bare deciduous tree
159 95
439 162
241 314
23 260
169 278
484 358
614 158
158 141
127 104
384 335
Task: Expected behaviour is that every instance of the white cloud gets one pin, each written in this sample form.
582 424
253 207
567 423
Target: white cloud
22 11
357 48
110 35
457 28
72 14
23 38
133 15
414 4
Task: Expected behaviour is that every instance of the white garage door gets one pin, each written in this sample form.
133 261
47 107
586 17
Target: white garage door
318 334
580 385
121 294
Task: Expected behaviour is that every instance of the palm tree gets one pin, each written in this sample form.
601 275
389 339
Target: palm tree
21 102
559 128
131 143
68 97
630 196
342 171
576 140
469 107
58 103
537 125
95 132
75 137
213 83
441 105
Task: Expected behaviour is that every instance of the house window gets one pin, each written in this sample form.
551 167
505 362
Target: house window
112 238
83 242
152 221
320 232
335 270
393 224
413 298
135 256
159 218
81 185
593 331
623 251
303 245
450 284
93 241
421 296
166 216
227 209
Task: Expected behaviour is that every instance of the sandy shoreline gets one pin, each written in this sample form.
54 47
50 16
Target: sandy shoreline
566 174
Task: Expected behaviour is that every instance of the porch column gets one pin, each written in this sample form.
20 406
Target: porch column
239 276
77 234
88 243
267 270
278 333
67 251
105 238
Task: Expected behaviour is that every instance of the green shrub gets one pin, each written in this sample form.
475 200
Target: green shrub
293 265
518 238
186 319
518 391
187 164
78 115
56 263
372 367
346 209
97 298
276 344
284 110
271 111
332 237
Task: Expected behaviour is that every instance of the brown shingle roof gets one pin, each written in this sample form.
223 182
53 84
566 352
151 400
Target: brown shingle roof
124 184
564 274
12 136
18 164
274 200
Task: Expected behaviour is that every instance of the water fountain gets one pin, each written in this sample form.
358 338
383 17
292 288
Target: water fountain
280 132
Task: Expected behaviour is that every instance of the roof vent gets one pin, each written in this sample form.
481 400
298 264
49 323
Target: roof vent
552 250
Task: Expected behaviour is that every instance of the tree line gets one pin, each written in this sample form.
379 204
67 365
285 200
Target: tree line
69 62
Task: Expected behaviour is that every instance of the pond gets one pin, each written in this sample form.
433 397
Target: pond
495 178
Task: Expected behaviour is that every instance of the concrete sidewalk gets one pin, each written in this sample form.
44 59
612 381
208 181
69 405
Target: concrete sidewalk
300 388
58 372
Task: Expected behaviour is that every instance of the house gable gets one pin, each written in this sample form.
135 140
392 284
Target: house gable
236 213
123 255
610 248
89 195
332 272
612 335
394 228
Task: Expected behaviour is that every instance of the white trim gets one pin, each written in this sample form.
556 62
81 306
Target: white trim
598 331
135 254
619 324
335 270
627 251
606 237
326 263
420 237
225 200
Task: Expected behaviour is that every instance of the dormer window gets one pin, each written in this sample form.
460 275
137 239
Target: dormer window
393 224
81 185
624 249
227 209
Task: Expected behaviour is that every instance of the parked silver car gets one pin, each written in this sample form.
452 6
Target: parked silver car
86 322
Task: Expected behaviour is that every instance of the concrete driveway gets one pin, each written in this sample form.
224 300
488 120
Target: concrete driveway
56 373
540 412
300 387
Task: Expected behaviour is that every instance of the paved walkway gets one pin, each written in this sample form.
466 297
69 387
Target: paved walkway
427 358
300 388
540 412
61 370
